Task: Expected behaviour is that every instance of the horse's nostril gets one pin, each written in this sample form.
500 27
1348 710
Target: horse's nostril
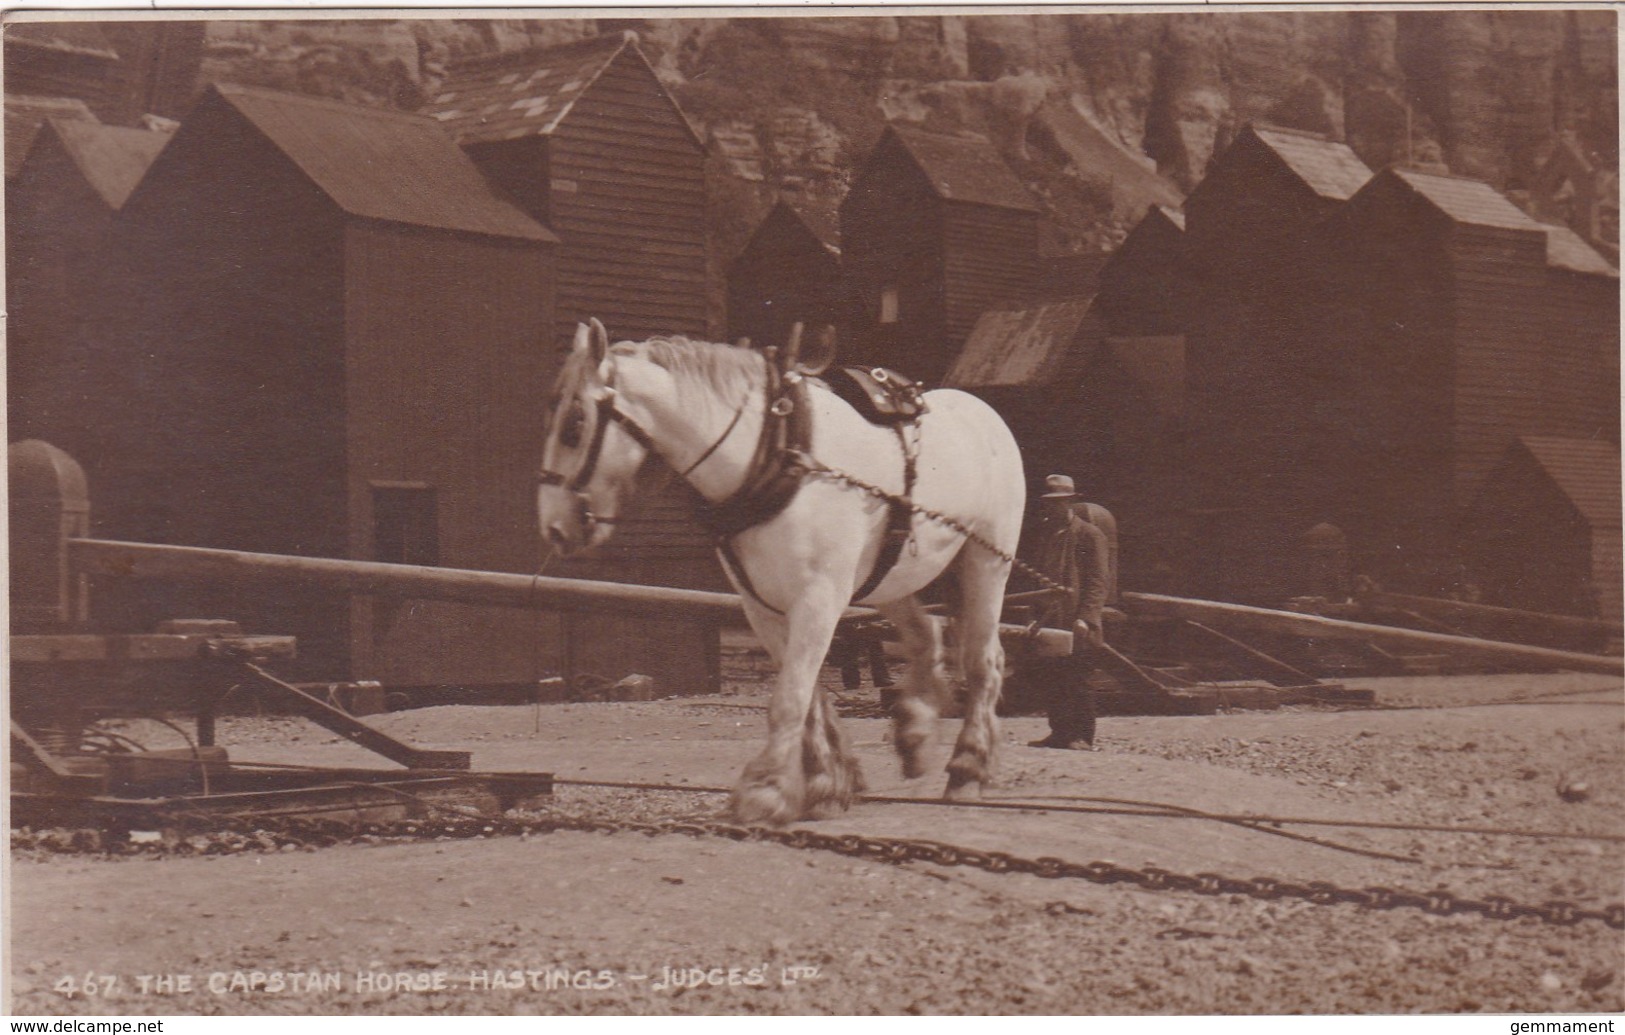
555 534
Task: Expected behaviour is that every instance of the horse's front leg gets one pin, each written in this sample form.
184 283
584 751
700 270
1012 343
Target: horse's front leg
773 788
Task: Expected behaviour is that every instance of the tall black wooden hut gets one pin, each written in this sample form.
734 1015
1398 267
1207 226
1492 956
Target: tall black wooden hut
935 231
1263 454
1143 285
320 332
1104 410
789 272
1464 324
586 139
76 176
1543 531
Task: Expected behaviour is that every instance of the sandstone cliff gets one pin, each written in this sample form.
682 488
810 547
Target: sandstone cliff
1102 113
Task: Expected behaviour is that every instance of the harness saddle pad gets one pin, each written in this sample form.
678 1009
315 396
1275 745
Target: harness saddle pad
882 396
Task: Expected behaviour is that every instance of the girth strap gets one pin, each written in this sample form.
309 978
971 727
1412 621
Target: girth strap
899 524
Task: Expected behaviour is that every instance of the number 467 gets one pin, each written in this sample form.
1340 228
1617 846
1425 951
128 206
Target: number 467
90 985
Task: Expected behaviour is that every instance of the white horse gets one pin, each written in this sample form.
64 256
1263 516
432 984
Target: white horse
703 409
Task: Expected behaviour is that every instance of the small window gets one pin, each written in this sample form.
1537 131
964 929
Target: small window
404 529
888 304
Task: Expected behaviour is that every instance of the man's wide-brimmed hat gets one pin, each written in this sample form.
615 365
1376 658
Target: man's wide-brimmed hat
1058 487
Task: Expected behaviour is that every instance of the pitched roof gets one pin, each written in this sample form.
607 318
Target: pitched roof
1567 250
526 93
964 169
1134 181
24 117
1018 348
112 158
1586 470
1472 202
822 225
1331 169
382 164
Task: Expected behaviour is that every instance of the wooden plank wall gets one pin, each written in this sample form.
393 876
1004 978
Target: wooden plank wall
1502 345
447 363
892 233
213 364
56 224
990 260
785 275
628 200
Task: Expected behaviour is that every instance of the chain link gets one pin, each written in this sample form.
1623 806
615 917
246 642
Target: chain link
228 835
819 469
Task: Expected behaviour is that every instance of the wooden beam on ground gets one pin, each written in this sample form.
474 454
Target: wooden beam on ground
1460 610
356 731
1259 619
1272 669
1125 671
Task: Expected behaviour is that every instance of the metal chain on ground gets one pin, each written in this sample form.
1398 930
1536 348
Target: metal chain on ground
815 467
301 832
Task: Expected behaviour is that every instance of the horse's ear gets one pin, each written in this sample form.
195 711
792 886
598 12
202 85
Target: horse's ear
817 359
599 344
582 339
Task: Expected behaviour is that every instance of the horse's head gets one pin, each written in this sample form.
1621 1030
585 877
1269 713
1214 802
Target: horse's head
587 465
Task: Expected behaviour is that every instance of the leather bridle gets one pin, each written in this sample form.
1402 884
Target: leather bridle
604 412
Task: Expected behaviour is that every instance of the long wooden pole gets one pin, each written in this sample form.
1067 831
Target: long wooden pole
1463 609
457 585
1259 619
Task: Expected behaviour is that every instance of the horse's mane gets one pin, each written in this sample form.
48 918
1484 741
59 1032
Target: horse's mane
728 369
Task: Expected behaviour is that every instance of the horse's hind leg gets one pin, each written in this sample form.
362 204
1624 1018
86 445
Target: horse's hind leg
924 686
982 579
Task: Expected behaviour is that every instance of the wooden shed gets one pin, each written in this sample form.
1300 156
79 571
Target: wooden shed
935 231
77 174
1263 454
1543 532
320 332
1105 410
788 272
1461 323
1143 286
27 115
586 139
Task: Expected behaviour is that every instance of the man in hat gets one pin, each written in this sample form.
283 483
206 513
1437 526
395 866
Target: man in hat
1076 554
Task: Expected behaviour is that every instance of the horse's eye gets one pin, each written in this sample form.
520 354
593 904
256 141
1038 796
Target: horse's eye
574 422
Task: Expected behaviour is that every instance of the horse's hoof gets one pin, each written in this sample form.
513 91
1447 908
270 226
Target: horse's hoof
963 789
913 765
828 808
762 803
828 795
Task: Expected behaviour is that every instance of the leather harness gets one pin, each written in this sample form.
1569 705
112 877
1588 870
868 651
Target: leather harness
775 474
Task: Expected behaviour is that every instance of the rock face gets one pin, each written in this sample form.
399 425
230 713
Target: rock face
791 104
